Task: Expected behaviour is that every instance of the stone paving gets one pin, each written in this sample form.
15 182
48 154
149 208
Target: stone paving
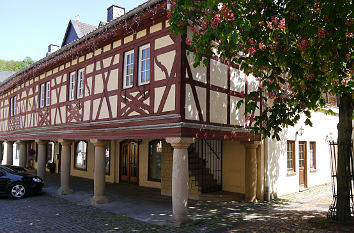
300 212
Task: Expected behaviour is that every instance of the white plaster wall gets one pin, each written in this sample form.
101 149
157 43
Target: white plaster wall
323 127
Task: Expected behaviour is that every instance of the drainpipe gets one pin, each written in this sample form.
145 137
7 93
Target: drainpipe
266 166
169 5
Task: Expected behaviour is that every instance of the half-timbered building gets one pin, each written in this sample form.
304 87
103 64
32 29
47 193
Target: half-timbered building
125 104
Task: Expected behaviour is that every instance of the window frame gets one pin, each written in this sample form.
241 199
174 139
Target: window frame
80 83
313 156
126 54
292 168
71 93
149 156
42 95
47 94
13 106
75 155
147 68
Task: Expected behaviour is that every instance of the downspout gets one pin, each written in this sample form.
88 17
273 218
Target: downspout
169 5
266 166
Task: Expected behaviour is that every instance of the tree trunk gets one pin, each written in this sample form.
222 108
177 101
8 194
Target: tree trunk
344 153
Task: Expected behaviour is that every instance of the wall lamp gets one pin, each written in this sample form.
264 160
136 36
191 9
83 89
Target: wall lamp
300 132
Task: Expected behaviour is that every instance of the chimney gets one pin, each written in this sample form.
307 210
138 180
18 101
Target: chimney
114 12
52 48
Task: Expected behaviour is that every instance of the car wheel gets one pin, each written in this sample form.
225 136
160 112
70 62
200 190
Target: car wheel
18 190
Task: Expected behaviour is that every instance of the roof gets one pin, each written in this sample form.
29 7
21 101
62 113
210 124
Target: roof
5 74
88 36
80 28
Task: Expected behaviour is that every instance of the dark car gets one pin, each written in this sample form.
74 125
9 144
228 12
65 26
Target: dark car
18 183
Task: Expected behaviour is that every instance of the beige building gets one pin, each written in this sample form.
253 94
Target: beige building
126 105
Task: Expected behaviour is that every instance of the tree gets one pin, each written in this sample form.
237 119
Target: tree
15 66
300 49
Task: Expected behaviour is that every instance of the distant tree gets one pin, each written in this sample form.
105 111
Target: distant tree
15 66
299 49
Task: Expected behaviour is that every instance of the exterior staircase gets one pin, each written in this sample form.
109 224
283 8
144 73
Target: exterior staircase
200 175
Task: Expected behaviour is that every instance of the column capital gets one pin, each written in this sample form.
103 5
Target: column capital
8 142
98 142
21 142
41 142
65 142
251 145
180 142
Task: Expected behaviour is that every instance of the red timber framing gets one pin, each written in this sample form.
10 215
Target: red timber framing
107 111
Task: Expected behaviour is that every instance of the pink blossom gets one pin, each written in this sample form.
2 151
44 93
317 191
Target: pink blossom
302 46
173 4
349 21
203 25
252 41
350 35
274 20
282 24
262 46
215 21
347 56
251 50
189 41
346 80
169 14
269 25
310 76
321 33
227 13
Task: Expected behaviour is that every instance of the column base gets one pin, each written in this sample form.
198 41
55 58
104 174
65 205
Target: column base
178 221
96 200
64 191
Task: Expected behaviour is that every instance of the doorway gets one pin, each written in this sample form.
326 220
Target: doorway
302 165
129 162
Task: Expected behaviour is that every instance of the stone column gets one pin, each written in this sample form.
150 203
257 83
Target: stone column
23 153
260 172
10 153
41 161
251 171
180 178
65 167
99 172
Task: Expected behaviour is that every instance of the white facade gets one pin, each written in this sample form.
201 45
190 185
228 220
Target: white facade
324 129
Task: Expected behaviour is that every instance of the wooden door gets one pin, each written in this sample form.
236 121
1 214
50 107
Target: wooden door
129 162
302 164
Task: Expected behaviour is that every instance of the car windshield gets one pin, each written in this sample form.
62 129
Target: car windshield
8 169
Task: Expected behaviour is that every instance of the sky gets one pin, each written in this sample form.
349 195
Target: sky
29 26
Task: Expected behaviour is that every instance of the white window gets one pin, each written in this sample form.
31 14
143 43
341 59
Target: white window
72 86
15 106
42 96
11 106
128 69
80 84
144 64
47 95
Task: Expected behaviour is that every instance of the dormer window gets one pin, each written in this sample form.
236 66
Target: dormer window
128 69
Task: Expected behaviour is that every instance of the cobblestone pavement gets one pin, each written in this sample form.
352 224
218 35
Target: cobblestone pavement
291 213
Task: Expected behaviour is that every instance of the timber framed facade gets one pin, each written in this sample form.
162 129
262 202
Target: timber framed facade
139 115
